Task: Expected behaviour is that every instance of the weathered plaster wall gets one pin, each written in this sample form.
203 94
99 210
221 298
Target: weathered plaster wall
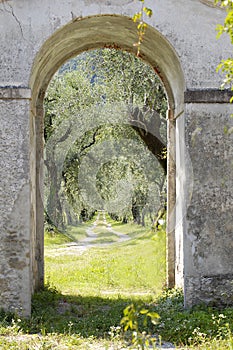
27 24
189 27
15 282
208 240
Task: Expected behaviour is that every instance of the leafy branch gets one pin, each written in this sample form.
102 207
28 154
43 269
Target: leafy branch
226 66
130 321
141 25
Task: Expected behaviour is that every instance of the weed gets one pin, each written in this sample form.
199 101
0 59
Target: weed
130 321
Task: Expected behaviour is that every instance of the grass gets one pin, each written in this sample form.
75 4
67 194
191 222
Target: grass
77 233
129 267
197 327
135 231
97 284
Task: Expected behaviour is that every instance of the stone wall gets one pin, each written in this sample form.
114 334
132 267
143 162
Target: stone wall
208 240
36 38
15 274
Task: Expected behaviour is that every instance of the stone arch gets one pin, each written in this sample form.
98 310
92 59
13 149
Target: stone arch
108 31
81 35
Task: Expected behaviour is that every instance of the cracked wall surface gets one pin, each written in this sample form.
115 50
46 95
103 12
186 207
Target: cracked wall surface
27 32
31 45
208 239
15 289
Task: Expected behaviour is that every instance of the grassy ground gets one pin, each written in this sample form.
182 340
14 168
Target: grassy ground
133 267
92 288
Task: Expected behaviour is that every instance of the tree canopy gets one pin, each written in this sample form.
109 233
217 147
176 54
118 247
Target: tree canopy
105 134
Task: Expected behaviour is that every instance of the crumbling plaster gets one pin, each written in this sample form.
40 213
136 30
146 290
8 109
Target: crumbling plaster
193 35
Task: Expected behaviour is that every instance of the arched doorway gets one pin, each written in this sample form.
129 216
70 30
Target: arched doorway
74 38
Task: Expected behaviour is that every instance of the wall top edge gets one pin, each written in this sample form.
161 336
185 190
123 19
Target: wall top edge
190 96
10 92
208 96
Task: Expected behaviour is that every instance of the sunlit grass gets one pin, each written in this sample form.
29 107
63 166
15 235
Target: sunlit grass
58 239
77 233
128 267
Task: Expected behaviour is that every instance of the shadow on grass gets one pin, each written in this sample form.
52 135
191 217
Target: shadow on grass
86 316
92 316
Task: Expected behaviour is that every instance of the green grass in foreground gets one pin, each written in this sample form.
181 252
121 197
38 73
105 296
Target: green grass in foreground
69 322
96 287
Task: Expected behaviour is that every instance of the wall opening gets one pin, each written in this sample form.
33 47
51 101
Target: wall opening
69 41
105 157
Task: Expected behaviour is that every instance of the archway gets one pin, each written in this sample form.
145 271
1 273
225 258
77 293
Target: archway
82 35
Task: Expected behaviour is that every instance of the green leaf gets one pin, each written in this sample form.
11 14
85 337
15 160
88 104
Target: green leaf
153 315
144 311
145 322
131 324
148 11
137 17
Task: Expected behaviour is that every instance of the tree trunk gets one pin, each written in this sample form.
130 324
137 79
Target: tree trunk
136 213
54 208
149 132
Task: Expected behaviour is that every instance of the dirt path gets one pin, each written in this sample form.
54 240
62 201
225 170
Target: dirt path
91 239
92 236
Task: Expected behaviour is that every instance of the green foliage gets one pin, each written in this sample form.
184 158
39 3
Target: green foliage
227 27
185 326
141 25
130 321
201 327
92 85
226 66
